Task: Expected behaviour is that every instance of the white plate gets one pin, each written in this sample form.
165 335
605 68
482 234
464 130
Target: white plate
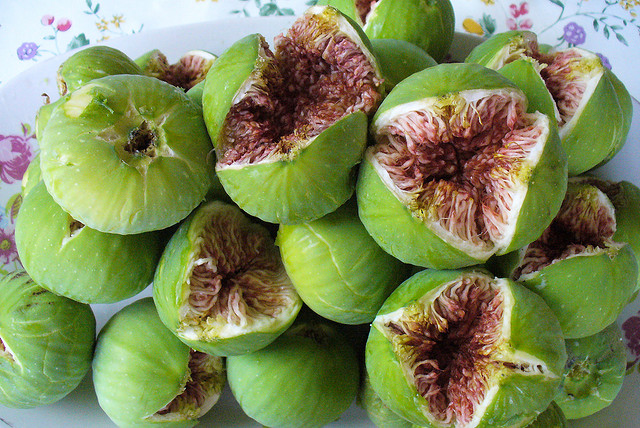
21 97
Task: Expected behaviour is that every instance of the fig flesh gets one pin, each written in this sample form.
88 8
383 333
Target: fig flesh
145 376
307 377
594 107
462 348
594 373
46 343
93 62
220 285
428 24
337 268
583 274
460 171
72 260
126 154
289 126
187 72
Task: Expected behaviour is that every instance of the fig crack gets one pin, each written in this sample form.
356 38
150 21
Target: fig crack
142 141
5 352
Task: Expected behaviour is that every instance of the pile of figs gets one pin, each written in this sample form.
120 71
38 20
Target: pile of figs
340 215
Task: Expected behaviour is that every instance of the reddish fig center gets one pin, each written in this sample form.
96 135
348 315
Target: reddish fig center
141 141
316 76
462 167
364 7
449 347
238 274
585 222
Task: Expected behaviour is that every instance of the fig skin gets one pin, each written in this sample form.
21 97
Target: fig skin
534 333
139 367
600 126
399 59
78 262
215 334
314 354
377 411
429 24
47 343
314 174
588 291
337 268
93 62
400 229
31 177
126 154
594 373
553 417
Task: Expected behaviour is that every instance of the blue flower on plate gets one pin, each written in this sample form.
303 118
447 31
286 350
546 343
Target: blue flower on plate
574 34
27 51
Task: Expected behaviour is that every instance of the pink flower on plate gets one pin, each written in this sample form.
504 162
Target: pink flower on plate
47 19
15 155
519 10
63 24
8 250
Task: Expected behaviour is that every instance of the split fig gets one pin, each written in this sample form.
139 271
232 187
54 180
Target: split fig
460 171
289 126
126 154
461 348
93 62
594 373
583 273
145 376
337 268
428 24
187 72
46 343
70 259
307 377
220 285
594 107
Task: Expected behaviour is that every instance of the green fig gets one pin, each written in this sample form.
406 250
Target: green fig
460 171
399 59
289 126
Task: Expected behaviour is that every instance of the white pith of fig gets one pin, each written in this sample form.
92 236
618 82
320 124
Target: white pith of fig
220 285
289 125
465 349
584 274
459 171
594 106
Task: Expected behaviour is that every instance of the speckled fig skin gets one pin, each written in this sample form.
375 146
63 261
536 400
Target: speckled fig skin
246 257
600 126
139 367
46 343
92 63
314 174
428 24
594 373
587 291
307 377
78 262
337 268
530 333
401 230
126 154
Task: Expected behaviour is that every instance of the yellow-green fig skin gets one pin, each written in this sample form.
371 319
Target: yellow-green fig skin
93 62
172 287
337 268
534 332
47 343
377 411
93 167
399 59
31 177
428 24
594 374
78 262
553 417
139 367
399 229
